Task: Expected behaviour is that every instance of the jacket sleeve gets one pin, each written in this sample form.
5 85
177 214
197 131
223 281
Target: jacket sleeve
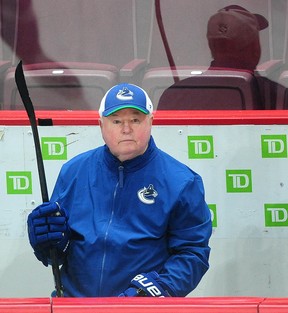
190 228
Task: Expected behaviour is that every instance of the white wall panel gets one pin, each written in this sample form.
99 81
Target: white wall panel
248 247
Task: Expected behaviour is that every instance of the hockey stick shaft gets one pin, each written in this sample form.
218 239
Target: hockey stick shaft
24 94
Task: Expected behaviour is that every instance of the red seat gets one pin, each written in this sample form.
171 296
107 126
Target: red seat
282 92
202 89
61 86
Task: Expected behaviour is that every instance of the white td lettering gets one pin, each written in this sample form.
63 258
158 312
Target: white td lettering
55 147
278 214
275 145
240 180
20 182
202 146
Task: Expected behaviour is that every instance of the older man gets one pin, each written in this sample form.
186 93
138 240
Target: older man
133 220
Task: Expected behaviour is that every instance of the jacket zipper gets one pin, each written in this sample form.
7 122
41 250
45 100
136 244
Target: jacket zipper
119 184
121 175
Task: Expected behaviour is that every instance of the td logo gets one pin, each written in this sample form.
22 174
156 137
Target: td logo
200 147
238 180
276 215
19 182
213 212
54 148
274 146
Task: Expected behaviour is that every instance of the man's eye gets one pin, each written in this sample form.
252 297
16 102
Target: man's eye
116 122
135 121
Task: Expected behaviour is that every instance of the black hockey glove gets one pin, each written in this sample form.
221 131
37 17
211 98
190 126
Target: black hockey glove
48 228
146 285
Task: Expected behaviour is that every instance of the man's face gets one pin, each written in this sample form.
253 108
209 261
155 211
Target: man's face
126 133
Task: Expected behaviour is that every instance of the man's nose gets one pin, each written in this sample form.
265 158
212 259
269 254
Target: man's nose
126 127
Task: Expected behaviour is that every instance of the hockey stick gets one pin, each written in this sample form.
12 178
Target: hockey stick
24 94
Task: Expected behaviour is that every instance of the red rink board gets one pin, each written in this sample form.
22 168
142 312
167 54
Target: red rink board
25 305
145 305
156 305
277 117
274 305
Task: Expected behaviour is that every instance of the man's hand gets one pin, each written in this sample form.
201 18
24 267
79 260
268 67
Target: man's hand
146 285
48 228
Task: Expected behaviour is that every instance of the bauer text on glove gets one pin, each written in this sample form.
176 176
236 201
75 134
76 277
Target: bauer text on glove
146 285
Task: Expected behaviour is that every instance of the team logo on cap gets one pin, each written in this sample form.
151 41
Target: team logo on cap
223 28
125 94
147 195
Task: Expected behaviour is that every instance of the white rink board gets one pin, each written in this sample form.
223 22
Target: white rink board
248 258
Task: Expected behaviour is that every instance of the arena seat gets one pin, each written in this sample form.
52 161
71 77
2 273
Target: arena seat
282 92
202 89
267 74
4 65
67 85
61 86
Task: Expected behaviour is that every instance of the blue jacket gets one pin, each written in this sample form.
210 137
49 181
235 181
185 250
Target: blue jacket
142 215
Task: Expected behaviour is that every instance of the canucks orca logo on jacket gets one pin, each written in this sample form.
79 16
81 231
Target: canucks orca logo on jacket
147 195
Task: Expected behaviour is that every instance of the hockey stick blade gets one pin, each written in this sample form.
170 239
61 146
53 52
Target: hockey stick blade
24 94
23 91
